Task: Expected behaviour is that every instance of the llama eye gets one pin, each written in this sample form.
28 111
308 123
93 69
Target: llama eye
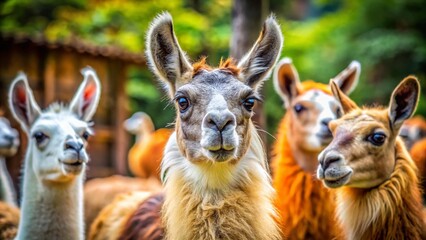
338 113
377 139
248 104
298 108
86 135
40 137
183 103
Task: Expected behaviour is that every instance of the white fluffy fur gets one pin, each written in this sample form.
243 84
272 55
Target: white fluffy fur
52 201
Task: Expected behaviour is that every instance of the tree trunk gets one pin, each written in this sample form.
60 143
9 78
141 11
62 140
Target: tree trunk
247 20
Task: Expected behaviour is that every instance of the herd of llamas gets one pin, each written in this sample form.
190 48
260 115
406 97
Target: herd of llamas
338 171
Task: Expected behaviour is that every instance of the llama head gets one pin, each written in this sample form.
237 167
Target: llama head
413 130
310 105
139 122
214 106
362 153
9 138
58 135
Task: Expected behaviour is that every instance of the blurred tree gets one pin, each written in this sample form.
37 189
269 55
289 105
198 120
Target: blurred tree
247 19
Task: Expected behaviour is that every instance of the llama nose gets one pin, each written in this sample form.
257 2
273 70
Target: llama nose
328 158
219 121
73 145
9 137
324 124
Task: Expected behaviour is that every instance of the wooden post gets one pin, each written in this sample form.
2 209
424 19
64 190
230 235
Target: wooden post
247 20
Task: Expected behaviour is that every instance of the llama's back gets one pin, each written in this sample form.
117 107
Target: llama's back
146 222
9 221
100 192
112 220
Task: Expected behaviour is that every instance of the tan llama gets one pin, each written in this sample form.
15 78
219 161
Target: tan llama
214 167
374 176
305 205
55 161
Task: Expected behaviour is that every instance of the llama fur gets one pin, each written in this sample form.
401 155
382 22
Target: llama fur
306 207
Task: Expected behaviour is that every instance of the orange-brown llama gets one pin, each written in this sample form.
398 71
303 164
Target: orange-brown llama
146 154
374 177
214 169
413 130
306 207
418 153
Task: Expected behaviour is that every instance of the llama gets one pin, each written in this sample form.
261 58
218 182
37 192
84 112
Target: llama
214 169
413 130
9 143
418 153
9 213
100 192
146 154
305 206
55 161
372 173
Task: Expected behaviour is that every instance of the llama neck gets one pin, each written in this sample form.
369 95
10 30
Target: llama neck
391 210
145 131
305 206
7 192
51 210
226 202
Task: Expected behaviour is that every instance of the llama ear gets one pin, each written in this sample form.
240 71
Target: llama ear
286 81
404 101
348 78
345 102
21 102
165 57
85 101
256 65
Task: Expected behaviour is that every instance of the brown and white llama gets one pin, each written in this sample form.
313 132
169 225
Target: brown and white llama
214 168
146 154
374 176
55 161
305 206
9 213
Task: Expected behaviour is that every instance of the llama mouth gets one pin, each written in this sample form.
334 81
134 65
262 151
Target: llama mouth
73 166
221 155
339 181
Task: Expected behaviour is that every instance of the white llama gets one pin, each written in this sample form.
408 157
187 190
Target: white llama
55 161
9 143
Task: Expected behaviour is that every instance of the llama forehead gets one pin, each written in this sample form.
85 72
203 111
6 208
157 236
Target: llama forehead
4 125
207 84
323 102
63 121
363 122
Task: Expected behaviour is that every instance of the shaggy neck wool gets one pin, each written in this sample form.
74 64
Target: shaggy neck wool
228 202
50 211
391 210
305 205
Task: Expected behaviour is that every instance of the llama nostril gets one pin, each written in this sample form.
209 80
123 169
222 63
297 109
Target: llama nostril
324 124
9 137
73 145
330 158
220 121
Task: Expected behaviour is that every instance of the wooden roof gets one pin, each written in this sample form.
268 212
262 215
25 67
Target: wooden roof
78 45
